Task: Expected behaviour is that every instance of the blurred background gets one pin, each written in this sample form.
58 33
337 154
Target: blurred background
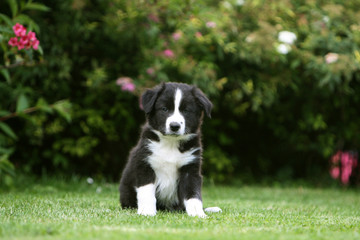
283 77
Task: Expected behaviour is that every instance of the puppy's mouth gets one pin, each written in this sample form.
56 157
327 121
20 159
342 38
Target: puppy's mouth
175 134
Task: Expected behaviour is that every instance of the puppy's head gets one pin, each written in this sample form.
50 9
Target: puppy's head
175 108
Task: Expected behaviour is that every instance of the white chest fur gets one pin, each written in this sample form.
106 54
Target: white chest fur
166 160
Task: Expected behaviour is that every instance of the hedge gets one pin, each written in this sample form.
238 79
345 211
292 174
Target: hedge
283 77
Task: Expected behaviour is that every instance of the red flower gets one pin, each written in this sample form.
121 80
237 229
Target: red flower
23 40
343 164
31 35
36 44
19 30
13 42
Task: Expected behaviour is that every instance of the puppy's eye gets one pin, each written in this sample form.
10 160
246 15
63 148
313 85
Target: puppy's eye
164 109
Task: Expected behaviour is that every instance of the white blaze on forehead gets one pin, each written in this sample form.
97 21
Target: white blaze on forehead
176 117
178 96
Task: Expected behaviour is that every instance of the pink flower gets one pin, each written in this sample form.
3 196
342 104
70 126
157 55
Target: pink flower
126 84
36 44
20 45
122 80
343 165
176 36
168 53
150 71
331 57
336 158
198 34
13 42
22 40
335 172
129 87
348 162
31 35
19 30
153 18
211 24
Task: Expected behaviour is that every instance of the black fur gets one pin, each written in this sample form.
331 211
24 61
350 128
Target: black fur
158 104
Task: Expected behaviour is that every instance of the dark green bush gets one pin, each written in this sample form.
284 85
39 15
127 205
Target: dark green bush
282 106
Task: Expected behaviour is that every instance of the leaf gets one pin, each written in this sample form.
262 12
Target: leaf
6 129
63 108
6 165
6 151
44 106
6 75
13 6
5 30
6 19
36 6
22 103
40 50
4 113
26 19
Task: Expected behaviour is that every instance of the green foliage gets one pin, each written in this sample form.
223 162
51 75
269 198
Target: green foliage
17 98
282 107
296 102
217 165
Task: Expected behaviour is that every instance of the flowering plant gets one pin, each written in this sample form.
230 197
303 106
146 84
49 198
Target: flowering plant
344 166
23 40
15 100
271 60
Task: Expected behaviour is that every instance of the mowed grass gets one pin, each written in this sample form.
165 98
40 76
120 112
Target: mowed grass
76 210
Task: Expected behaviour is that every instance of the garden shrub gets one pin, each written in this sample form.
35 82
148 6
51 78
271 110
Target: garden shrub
283 77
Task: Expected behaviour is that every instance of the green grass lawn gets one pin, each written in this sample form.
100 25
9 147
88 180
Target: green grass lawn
76 210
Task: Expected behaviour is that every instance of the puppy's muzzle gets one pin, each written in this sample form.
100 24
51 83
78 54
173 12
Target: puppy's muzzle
174 126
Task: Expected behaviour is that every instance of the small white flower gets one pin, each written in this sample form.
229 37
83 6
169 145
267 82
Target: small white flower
283 48
240 2
227 5
90 180
331 57
287 37
326 19
98 190
250 38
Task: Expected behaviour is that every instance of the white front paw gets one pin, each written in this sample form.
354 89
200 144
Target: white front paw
147 211
146 200
194 208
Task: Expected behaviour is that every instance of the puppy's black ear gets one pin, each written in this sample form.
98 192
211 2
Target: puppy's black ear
203 101
148 99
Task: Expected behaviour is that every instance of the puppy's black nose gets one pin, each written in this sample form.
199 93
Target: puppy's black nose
174 126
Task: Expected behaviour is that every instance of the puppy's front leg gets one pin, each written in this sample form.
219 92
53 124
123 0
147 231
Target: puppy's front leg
190 190
194 207
146 200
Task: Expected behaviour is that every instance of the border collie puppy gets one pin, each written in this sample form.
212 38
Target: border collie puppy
164 168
